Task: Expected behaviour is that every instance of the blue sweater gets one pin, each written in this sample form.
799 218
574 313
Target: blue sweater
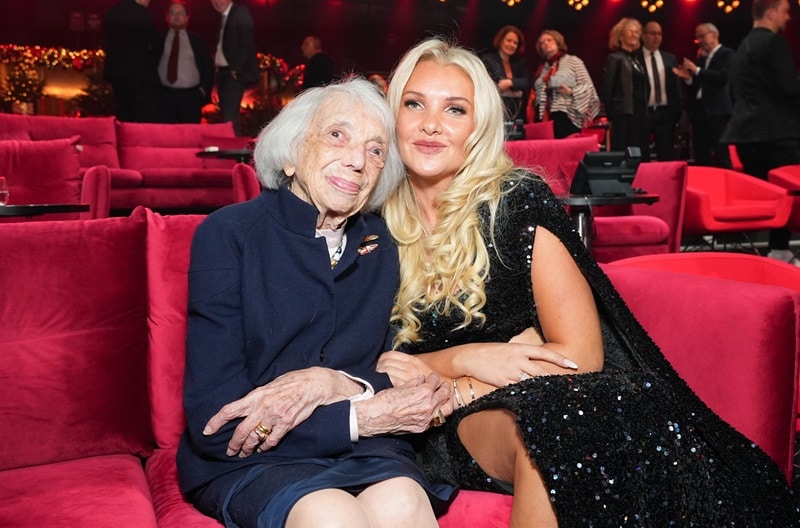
263 301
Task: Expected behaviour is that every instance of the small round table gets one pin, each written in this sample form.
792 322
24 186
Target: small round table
243 155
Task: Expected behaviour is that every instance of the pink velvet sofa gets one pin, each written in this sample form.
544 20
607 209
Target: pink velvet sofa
151 164
92 342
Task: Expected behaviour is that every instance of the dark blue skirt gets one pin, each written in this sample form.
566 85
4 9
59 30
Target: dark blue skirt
245 507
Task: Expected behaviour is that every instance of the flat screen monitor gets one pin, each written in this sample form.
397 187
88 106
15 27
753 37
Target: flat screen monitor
606 173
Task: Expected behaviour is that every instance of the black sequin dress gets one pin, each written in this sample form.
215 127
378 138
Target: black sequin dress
629 446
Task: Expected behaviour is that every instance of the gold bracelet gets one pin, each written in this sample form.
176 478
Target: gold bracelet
457 394
471 390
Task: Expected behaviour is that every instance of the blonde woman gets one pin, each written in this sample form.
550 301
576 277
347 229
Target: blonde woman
562 399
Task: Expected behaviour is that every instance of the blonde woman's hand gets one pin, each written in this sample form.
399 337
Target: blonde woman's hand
501 364
402 367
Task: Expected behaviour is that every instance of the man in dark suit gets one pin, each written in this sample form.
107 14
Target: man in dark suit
132 49
710 101
765 126
319 68
185 70
234 58
664 103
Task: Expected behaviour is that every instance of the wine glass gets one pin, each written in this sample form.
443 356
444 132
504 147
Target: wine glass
3 191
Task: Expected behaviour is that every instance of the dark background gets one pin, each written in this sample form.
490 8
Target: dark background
370 35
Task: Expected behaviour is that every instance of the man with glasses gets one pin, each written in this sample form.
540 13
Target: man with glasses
710 103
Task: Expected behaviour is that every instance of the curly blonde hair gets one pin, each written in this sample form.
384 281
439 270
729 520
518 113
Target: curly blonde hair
445 268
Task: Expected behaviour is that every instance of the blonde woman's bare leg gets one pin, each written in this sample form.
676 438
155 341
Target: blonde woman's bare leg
398 503
494 441
328 508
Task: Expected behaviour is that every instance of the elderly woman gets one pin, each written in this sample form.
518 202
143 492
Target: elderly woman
564 90
289 301
507 68
626 88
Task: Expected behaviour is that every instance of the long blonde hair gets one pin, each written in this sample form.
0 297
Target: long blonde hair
445 269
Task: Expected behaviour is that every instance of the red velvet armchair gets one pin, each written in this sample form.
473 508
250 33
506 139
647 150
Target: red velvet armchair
639 229
725 201
732 266
48 172
788 177
245 183
555 160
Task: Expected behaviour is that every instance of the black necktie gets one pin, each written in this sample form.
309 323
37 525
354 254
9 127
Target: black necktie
656 79
172 64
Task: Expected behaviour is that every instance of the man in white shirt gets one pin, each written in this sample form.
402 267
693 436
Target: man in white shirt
664 103
185 69
710 101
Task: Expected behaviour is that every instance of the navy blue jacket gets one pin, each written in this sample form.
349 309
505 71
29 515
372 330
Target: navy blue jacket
263 301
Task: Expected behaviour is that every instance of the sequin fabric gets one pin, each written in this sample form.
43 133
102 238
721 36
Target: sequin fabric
629 446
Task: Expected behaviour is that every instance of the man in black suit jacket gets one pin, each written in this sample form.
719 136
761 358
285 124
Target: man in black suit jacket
234 58
664 105
132 49
710 101
183 95
319 68
765 126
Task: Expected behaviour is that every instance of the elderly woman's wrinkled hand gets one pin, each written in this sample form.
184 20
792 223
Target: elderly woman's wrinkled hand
274 409
409 408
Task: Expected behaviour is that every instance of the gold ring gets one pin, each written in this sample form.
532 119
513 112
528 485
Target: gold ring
262 431
523 376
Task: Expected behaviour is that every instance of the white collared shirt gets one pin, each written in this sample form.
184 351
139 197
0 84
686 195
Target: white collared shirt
188 75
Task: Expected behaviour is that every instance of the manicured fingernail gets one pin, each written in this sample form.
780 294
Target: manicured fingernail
570 364
207 430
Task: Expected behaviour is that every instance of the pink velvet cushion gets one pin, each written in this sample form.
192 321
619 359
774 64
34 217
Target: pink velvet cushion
172 509
14 126
95 492
98 136
73 345
187 177
478 509
41 171
169 240
630 231
149 145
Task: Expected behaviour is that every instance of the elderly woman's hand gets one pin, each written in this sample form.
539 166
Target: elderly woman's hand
409 408
277 407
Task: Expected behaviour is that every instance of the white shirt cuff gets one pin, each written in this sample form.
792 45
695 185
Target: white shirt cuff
369 392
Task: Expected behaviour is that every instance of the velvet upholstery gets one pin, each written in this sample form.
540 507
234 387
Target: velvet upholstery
95 354
42 172
788 177
555 160
245 183
74 341
539 130
642 229
722 200
733 266
150 164
91 492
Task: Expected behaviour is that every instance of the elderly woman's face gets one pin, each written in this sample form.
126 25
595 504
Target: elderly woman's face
340 160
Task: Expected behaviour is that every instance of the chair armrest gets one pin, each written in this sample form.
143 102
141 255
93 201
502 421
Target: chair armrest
96 191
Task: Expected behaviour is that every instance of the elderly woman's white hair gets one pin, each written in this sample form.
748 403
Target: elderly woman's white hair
278 144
